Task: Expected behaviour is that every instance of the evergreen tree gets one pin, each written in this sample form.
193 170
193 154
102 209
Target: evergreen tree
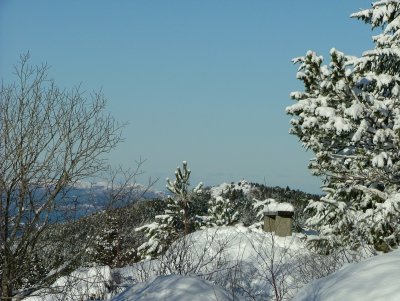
179 202
177 218
349 116
222 212
106 243
159 234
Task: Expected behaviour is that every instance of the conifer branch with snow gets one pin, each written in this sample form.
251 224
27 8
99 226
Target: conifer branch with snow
349 116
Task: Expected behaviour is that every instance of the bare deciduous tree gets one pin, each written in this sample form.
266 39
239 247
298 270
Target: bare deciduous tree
49 139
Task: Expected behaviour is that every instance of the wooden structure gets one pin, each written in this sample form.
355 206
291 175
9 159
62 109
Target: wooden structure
279 219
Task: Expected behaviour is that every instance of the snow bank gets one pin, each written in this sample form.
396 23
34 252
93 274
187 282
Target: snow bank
376 278
220 253
214 263
174 288
82 284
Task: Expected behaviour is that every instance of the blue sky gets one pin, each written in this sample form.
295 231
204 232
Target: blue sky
203 81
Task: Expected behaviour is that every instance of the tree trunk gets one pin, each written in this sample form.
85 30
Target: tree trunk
186 211
6 288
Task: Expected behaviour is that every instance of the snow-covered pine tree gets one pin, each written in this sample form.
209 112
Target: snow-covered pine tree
179 202
240 200
349 116
222 211
176 219
158 234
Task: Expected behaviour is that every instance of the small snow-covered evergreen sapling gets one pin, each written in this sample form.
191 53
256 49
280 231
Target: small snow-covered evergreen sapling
158 235
179 202
221 212
349 116
177 218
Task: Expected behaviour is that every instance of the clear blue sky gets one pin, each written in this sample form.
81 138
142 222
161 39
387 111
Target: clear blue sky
203 81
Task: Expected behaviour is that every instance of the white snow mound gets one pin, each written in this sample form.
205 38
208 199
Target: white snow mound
174 288
376 279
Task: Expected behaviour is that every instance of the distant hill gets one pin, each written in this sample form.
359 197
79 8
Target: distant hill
261 192
86 198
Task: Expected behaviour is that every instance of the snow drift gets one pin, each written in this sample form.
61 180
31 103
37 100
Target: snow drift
376 278
176 288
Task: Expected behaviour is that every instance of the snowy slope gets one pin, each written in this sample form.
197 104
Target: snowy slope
377 279
174 288
217 263
82 284
241 260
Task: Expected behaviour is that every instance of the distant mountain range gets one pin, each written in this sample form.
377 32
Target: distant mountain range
85 198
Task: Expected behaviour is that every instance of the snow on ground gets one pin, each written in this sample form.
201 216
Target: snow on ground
227 243
221 262
217 262
82 284
241 260
376 279
174 288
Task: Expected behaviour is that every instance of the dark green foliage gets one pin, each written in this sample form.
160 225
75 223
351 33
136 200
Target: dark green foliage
107 242
117 241
199 205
